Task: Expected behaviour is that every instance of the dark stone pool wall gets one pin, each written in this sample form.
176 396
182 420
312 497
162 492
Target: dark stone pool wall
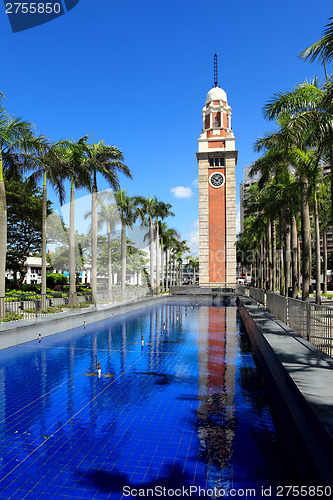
300 381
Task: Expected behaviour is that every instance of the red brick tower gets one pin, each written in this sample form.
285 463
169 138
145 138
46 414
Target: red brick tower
217 159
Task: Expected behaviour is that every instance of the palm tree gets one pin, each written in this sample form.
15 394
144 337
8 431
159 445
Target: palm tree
146 212
72 155
127 213
255 226
108 215
162 228
170 236
310 110
325 217
321 115
180 247
13 132
322 50
107 161
41 156
277 196
248 245
307 114
162 210
193 262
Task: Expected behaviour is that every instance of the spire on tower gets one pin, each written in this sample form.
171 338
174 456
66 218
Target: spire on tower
215 70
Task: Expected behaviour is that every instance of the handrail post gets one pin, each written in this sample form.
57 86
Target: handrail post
308 317
329 336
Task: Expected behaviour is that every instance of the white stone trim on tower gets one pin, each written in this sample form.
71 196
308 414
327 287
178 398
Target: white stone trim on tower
217 141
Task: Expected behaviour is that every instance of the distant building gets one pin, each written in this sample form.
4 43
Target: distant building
34 271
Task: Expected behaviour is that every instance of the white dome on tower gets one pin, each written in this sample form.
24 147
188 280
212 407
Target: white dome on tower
216 94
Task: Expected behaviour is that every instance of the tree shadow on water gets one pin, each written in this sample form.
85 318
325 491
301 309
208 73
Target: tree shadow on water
172 477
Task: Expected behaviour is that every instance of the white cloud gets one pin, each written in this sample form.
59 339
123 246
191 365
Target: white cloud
195 183
181 192
193 242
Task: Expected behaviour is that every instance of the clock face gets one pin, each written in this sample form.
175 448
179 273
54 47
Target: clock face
216 180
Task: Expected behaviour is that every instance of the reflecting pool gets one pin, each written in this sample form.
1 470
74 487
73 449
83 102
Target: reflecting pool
178 404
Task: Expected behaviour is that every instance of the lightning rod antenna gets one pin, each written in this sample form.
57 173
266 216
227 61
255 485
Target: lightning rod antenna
215 70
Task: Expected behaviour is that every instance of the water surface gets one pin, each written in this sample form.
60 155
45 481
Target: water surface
188 408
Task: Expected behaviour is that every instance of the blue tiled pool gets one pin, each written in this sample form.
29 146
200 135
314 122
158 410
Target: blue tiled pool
185 409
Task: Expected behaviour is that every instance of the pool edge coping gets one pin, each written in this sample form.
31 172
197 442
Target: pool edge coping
271 340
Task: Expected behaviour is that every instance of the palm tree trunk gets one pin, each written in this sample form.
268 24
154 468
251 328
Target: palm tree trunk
123 255
306 240
172 267
281 258
287 250
166 270
294 278
94 242
331 166
109 261
269 254
157 259
162 266
3 240
273 230
299 261
181 271
44 215
72 287
261 267
172 270
325 261
151 253
266 267
317 243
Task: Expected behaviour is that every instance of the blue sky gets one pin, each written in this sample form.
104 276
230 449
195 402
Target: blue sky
136 75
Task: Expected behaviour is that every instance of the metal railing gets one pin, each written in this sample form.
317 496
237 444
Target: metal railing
320 327
258 295
33 305
203 288
312 321
118 294
277 305
298 317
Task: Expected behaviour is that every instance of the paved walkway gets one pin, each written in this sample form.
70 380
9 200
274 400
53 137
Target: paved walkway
304 377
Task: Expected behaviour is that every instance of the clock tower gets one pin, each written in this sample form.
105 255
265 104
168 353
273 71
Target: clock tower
217 158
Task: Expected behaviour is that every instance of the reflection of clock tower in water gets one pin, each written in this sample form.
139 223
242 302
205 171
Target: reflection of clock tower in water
217 159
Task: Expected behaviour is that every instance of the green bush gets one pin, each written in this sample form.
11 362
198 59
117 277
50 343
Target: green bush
53 279
30 288
50 310
17 295
11 317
